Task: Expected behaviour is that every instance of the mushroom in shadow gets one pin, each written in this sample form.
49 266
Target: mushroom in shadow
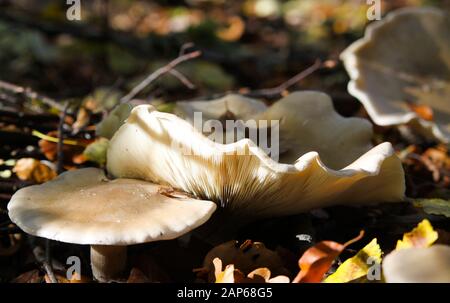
84 207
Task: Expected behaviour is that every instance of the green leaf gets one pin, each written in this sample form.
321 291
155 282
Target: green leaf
96 151
109 125
434 206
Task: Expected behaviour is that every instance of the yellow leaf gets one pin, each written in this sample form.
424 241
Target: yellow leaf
358 265
226 276
420 237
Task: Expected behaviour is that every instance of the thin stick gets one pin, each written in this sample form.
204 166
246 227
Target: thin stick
158 73
40 256
278 90
60 144
182 78
29 93
59 168
284 86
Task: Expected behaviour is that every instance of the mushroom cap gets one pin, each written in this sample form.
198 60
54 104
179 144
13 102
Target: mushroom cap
163 148
402 61
242 107
418 265
84 207
308 122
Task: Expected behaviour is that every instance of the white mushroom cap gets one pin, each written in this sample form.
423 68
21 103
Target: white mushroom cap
418 265
308 123
404 59
241 107
84 207
163 148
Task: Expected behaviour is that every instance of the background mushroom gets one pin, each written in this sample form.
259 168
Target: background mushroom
308 122
418 265
401 65
84 207
163 148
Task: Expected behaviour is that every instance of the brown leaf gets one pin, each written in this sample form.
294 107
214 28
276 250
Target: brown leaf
83 118
61 278
137 276
29 169
246 256
31 276
317 260
233 275
72 152
234 31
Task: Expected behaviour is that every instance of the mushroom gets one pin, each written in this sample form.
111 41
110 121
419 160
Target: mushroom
402 65
84 207
231 107
240 176
418 265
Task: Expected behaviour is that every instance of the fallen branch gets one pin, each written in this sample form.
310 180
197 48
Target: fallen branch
278 90
168 68
29 93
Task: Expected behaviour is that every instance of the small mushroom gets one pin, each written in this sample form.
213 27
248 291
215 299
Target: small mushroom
402 65
84 207
240 176
418 265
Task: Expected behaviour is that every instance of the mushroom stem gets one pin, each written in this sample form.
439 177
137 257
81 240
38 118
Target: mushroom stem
108 261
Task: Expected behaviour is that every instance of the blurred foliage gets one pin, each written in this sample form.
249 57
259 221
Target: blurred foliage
136 36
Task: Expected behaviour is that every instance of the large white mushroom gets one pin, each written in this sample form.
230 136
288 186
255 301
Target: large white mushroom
240 176
418 265
402 64
84 207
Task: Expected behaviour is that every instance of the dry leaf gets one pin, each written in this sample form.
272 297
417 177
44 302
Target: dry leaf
83 118
76 278
31 276
137 276
226 276
232 275
29 169
423 111
317 260
246 256
421 236
357 266
234 31
71 152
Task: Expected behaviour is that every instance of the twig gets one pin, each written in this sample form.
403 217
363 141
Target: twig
182 78
47 263
40 256
158 73
29 93
278 90
318 64
60 144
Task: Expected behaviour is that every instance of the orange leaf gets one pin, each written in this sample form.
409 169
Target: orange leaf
317 260
71 152
423 111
